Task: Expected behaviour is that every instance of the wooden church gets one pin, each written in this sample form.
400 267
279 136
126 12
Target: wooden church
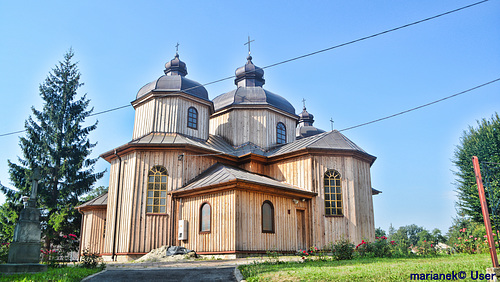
233 176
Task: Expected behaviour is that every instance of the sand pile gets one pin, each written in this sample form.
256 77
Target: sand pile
160 254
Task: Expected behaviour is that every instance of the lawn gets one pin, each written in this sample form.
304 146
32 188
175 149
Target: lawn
368 269
64 274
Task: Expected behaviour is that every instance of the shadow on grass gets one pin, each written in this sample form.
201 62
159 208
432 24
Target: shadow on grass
267 267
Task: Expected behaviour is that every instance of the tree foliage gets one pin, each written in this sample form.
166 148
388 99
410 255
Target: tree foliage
483 142
57 142
412 235
96 192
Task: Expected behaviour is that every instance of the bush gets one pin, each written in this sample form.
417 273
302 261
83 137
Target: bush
4 252
426 248
365 249
50 258
381 248
90 260
342 249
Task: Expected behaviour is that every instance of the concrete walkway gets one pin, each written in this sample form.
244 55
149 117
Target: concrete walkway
182 270
192 263
165 274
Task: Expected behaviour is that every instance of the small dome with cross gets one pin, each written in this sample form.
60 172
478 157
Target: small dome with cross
175 80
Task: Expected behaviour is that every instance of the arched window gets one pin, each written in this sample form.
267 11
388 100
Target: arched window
333 193
205 216
280 133
192 118
157 190
267 217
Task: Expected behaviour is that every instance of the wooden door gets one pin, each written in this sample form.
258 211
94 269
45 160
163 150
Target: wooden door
301 230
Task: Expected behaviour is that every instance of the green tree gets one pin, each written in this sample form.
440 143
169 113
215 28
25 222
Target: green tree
379 232
483 142
96 192
57 142
9 212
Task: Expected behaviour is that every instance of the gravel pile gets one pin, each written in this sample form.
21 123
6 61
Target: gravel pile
160 255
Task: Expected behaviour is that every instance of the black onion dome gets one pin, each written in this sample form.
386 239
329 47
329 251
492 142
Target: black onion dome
305 125
174 80
249 74
306 118
176 67
249 79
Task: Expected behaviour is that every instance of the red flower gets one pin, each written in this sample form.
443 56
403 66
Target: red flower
72 235
303 258
425 241
65 236
432 245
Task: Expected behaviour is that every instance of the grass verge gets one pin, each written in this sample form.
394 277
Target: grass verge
63 274
367 269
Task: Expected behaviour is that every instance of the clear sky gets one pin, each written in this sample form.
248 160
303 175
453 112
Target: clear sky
122 45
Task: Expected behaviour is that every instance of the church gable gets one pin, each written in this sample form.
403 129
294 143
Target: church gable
220 175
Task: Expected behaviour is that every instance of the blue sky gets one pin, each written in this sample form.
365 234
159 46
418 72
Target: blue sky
120 46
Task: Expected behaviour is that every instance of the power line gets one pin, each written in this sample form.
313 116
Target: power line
302 56
422 106
376 34
20 131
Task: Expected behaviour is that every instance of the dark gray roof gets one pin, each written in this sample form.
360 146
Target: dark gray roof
249 75
214 143
220 173
175 83
174 80
252 96
307 131
327 140
375 191
98 201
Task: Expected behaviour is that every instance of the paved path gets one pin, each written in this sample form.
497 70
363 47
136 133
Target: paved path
166 274
182 270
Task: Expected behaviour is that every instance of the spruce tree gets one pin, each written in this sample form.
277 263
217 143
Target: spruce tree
57 143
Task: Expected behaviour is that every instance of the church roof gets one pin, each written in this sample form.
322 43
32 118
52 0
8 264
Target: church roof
220 173
214 142
174 80
331 140
249 80
252 96
327 140
307 131
102 200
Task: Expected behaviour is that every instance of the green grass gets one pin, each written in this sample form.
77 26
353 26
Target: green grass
64 274
373 269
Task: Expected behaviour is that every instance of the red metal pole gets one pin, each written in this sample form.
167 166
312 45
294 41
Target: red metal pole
486 214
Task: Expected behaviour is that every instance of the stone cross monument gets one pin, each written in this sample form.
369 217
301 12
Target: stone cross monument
24 251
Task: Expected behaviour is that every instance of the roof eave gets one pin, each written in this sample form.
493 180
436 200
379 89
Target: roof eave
242 184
